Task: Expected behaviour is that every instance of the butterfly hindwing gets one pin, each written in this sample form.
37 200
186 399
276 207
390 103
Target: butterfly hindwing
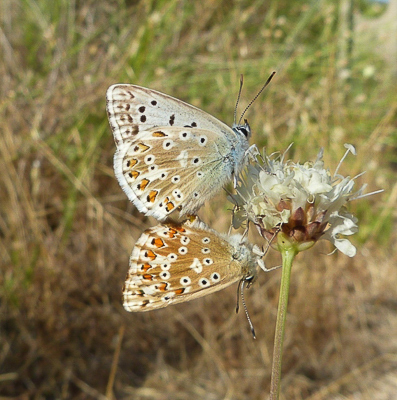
173 263
169 168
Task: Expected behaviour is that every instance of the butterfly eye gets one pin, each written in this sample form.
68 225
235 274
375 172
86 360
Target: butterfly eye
244 131
250 280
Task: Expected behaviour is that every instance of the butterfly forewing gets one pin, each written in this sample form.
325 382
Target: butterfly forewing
170 155
175 263
133 109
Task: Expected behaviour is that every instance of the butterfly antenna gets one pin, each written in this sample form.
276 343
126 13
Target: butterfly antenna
238 296
245 308
258 94
238 97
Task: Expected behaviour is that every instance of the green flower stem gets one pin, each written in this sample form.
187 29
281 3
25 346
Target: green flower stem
288 252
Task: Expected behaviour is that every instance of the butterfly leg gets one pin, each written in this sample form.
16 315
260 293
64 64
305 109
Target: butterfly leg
245 233
252 152
261 263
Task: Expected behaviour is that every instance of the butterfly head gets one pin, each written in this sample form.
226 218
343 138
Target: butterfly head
243 130
246 255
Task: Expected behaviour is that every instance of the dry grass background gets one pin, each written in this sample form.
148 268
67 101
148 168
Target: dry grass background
67 229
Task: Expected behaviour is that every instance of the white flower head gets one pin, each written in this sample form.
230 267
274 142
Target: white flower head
302 201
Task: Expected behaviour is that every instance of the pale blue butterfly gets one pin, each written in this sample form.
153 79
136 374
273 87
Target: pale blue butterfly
171 155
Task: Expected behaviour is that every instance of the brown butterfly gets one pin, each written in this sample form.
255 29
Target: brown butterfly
174 263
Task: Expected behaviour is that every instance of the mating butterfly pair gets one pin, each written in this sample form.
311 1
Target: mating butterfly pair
171 157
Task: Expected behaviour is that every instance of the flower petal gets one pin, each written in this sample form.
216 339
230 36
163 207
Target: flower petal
345 247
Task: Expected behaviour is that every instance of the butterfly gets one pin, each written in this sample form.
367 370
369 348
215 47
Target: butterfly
172 263
171 156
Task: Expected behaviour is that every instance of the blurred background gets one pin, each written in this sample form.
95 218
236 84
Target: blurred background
67 229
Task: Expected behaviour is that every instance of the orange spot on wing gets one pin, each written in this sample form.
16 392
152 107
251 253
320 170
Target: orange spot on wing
172 232
180 229
150 255
148 277
145 267
170 206
158 134
134 174
179 291
152 196
143 184
141 148
162 286
132 162
158 242
139 293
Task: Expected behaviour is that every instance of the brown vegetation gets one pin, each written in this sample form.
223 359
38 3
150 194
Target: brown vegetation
67 229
